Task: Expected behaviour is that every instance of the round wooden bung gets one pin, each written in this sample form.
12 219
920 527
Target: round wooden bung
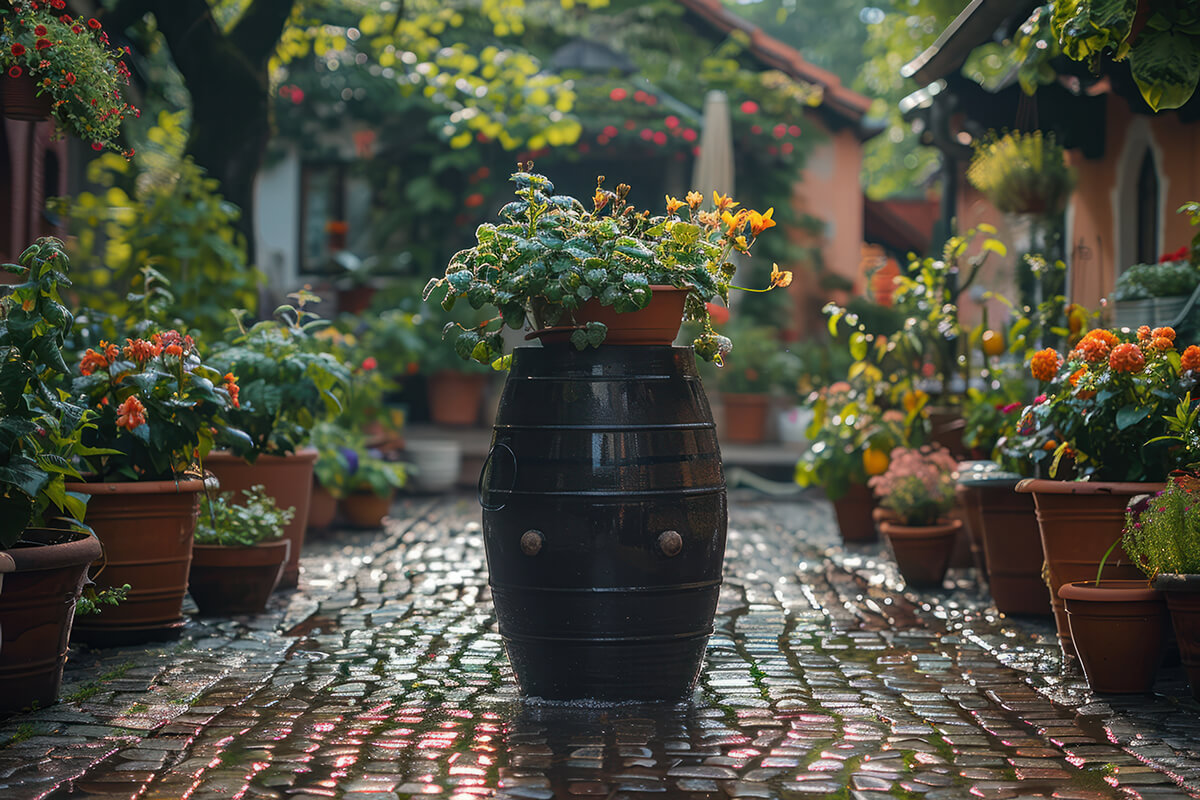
670 543
531 542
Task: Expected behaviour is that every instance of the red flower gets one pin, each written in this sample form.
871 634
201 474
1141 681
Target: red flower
43 44
1179 255
76 29
14 71
70 76
93 24
131 414
91 362
749 107
58 5
18 49
369 363
65 19
39 30
618 94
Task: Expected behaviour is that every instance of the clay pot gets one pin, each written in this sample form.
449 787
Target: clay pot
288 479
922 552
1078 522
1119 629
455 397
656 324
366 509
20 99
853 512
1183 601
946 425
236 580
146 530
745 417
1006 525
322 508
45 574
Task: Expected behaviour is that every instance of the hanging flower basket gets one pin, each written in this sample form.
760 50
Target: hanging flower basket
20 99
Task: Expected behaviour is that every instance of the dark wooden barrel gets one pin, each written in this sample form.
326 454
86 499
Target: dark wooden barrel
604 521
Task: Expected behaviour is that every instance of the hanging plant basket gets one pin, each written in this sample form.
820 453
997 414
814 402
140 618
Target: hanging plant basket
21 100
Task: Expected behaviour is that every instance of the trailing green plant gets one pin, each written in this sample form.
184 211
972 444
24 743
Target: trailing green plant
70 61
288 379
1022 173
549 255
1162 531
232 521
40 426
1165 279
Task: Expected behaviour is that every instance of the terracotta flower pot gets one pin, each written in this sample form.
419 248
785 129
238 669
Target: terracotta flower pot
236 580
1011 542
37 607
656 324
455 397
946 425
853 512
1078 522
322 508
1183 601
288 479
922 552
745 416
21 100
146 530
366 509
1119 629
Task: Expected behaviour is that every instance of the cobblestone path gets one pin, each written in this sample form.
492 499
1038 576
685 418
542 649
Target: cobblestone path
384 677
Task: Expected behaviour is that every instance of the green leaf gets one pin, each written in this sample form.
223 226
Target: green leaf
596 333
995 246
579 339
1131 415
858 346
1166 67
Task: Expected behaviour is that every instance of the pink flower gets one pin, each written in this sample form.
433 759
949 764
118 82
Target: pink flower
1008 409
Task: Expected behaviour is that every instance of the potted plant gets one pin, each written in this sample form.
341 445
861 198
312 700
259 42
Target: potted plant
157 409
746 380
42 571
603 487
1100 418
363 484
572 273
454 386
239 553
288 383
1022 173
1154 294
56 64
918 487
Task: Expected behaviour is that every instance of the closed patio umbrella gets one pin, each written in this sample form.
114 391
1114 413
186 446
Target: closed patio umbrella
713 169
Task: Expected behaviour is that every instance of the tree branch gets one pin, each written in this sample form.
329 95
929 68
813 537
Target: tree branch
258 31
192 34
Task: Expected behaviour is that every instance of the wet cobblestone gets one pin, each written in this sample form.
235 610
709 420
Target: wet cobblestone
385 678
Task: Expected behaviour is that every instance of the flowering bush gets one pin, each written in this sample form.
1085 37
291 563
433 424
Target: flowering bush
918 485
69 60
1104 406
550 255
157 407
1164 279
1162 533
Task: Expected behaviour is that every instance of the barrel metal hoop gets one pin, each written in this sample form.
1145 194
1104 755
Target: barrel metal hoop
694 586
598 638
483 471
665 426
592 493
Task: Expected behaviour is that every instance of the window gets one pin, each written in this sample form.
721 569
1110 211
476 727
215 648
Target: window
1147 211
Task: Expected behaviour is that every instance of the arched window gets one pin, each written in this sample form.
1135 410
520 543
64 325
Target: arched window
1147 210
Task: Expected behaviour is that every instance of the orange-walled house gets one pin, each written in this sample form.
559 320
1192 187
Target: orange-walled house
32 168
1134 168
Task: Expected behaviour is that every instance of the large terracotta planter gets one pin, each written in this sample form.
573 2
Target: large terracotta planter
853 512
1119 630
288 479
236 580
922 552
366 509
45 575
322 508
656 324
745 417
1183 601
455 397
146 530
1078 522
1007 527
20 99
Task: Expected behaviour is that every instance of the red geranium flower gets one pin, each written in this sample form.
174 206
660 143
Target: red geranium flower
42 44
58 5
93 24
14 71
39 30
18 49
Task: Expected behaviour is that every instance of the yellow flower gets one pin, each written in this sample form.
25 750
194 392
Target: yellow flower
741 244
600 199
914 400
723 202
733 222
694 199
673 204
780 277
760 222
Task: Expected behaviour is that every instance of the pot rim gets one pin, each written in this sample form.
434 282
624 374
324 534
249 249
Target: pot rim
281 542
82 548
184 486
305 453
1111 590
1177 582
1047 486
946 527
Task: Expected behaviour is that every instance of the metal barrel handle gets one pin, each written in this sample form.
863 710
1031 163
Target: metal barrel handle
487 462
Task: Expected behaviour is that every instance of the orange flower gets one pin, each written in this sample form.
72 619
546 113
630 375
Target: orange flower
723 202
733 222
1076 375
173 350
1127 358
1045 363
1162 344
141 350
233 389
131 414
1191 358
1164 332
91 362
674 204
110 351
1092 349
600 199
760 222
1143 333
694 199
780 277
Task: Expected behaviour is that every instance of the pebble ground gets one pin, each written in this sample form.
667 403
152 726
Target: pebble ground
384 677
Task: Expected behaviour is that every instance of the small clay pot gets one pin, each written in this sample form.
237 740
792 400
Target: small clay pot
1119 628
922 552
1183 601
853 512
